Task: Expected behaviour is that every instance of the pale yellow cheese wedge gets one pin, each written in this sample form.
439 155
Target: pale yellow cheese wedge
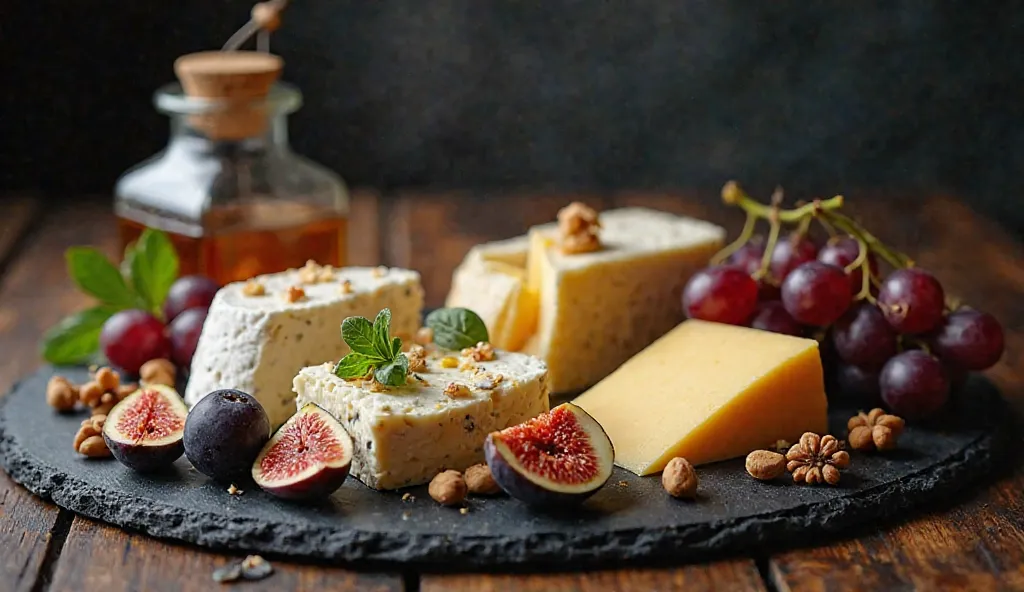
596 310
709 392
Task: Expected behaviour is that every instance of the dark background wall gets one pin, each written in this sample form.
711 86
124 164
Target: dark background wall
822 97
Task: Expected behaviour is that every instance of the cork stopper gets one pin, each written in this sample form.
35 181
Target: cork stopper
236 82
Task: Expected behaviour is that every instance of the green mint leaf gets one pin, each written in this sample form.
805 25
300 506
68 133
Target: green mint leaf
77 337
95 275
154 267
396 346
456 328
358 334
381 339
354 365
394 372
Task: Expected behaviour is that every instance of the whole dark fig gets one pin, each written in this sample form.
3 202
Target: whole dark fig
224 433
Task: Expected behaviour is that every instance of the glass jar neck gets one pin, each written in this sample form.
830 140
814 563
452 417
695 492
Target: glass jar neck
272 136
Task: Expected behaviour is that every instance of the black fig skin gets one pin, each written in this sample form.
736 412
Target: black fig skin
526 491
224 433
319 486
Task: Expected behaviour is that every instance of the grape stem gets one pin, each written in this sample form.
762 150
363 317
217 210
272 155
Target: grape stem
849 226
744 237
733 195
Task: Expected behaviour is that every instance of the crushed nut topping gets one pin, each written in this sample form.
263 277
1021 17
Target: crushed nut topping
449 362
346 287
313 273
294 294
679 478
89 439
765 465
578 226
158 371
816 459
424 336
233 490
61 394
417 359
487 381
481 352
456 390
254 288
380 271
874 430
376 387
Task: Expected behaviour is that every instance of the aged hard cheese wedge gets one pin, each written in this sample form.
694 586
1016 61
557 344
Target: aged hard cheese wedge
709 392
257 342
491 282
404 436
598 309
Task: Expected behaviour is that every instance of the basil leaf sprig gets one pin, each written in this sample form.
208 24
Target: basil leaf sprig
142 281
457 328
373 350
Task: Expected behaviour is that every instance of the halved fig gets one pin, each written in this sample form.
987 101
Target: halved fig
557 458
144 431
309 456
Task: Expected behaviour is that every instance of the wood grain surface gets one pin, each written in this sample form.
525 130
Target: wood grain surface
973 542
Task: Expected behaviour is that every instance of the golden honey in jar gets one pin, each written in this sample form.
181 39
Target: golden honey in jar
233 197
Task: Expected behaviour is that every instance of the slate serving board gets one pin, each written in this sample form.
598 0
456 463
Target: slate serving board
630 520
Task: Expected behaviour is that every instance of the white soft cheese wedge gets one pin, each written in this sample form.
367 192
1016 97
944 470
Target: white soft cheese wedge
599 309
404 436
258 343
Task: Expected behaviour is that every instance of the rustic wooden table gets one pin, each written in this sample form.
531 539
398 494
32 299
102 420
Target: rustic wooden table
974 542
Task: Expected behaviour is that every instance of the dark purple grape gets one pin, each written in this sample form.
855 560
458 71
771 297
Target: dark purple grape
863 337
968 339
791 252
816 294
843 251
912 301
722 294
749 256
914 384
858 385
185 330
772 316
190 291
130 338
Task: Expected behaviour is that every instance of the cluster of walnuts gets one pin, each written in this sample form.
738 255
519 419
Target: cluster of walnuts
99 395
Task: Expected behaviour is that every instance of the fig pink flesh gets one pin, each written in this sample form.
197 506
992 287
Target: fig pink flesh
554 446
308 442
149 417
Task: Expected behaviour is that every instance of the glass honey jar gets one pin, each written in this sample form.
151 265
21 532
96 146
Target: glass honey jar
233 197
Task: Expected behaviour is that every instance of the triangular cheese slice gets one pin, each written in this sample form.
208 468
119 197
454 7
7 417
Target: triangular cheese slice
709 392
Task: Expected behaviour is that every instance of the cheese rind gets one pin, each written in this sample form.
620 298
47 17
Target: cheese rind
258 343
405 436
709 392
598 309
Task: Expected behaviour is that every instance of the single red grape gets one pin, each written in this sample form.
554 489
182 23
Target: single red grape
968 339
858 385
130 338
843 251
190 291
185 330
912 300
772 316
791 252
863 337
816 294
749 256
914 384
722 294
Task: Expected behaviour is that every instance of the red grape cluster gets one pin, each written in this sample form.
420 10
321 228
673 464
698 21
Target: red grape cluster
130 338
893 338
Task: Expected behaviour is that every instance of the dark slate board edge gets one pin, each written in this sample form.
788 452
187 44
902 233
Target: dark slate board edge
797 526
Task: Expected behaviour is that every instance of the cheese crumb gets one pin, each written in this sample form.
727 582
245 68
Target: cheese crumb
463 511
254 288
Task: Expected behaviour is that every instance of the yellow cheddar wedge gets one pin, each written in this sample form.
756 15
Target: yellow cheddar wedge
598 309
709 392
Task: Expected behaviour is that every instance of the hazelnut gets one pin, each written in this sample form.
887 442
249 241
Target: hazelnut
448 488
480 481
61 394
107 379
765 465
90 393
158 371
89 439
679 479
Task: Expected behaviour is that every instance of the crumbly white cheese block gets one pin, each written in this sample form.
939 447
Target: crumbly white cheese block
258 343
404 436
598 309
